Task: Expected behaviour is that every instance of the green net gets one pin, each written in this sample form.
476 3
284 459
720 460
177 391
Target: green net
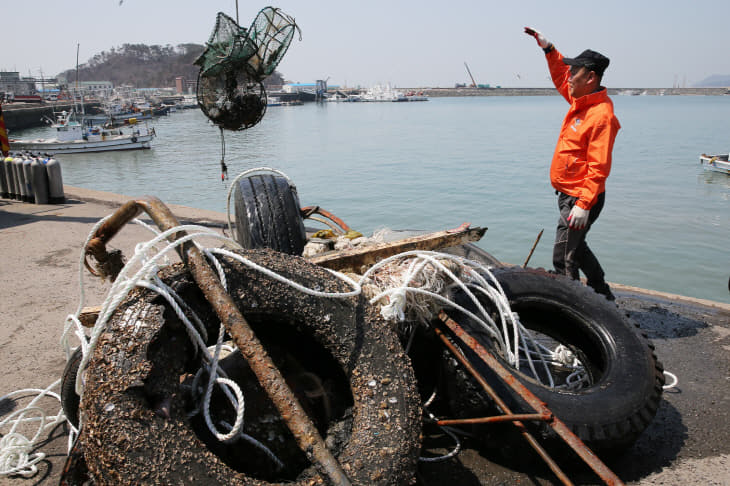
234 64
227 44
270 33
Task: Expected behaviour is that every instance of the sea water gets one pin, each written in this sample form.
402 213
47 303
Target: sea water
485 160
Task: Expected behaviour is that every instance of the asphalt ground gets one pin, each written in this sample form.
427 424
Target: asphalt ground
687 443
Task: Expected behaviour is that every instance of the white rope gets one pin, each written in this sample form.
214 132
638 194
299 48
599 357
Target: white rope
16 450
514 341
675 380
448 430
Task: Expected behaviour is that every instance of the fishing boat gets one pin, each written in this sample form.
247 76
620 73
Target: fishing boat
383 93
716 163
74 136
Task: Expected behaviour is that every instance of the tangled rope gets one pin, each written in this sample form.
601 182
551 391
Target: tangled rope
16 450
417 283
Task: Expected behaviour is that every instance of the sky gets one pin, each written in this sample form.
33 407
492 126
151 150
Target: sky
403 42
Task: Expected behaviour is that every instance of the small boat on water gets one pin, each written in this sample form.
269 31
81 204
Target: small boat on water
716 163
273 101
383 93
74 136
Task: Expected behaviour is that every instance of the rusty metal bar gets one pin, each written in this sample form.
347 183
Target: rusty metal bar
497 418
532 250
502 406
356 258
603 471
310 210
270 378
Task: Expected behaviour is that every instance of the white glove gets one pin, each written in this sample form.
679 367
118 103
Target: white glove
578 218
541 40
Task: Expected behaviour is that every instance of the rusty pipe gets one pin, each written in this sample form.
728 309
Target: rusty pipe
310 210
498 418
572 440
500 403
268 375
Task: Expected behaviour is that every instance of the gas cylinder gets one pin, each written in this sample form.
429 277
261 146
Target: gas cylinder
28 176
3 178
40 180
55 182
19 178
10 177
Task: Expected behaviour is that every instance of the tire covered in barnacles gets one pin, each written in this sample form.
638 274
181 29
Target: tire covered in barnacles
624 379
268 214
340 358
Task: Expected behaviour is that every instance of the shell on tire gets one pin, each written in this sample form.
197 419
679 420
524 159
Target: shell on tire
143 352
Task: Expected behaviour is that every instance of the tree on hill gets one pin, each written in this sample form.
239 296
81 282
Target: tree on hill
144 66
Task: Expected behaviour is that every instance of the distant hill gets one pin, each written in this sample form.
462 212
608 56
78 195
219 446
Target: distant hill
145 66
714 81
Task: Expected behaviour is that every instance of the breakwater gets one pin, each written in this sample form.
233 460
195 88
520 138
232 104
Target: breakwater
28 115
446 92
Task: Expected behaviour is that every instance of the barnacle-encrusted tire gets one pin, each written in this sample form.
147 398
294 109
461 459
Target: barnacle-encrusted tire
268 214
626 378
133 409
69 398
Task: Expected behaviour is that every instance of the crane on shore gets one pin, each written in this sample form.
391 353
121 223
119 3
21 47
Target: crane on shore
473 83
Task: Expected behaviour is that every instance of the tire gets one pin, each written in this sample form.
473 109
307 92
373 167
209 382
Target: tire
626 382
268 214
136 401
69 398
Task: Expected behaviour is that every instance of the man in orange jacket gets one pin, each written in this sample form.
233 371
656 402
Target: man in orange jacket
582 159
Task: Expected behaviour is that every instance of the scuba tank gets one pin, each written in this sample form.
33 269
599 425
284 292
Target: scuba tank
29 197
4 192
55 182
19 178
10 177
40 180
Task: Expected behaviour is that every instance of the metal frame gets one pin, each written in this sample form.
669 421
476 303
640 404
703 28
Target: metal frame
542 414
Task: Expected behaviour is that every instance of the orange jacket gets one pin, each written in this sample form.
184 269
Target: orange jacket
582 159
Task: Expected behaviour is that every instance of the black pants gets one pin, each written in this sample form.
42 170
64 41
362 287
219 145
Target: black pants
571 253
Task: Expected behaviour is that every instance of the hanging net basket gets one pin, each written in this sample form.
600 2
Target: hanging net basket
232 99
234 64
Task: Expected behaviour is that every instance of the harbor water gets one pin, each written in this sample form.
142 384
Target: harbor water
484 160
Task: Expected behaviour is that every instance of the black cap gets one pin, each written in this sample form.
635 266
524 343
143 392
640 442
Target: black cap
591 59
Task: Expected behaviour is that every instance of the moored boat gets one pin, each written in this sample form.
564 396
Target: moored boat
73 136
716 163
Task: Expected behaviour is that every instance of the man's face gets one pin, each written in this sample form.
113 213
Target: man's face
580 81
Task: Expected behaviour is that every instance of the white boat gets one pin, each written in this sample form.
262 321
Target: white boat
273 101
383 93
717 163
73 136
337 97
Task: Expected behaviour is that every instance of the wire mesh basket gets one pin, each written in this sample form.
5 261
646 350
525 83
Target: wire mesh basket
234 64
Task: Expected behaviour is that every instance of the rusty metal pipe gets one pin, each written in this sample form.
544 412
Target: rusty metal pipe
502 406
268 375
309 210
603 471
497 418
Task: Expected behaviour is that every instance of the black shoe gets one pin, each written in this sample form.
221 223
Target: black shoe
604 290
